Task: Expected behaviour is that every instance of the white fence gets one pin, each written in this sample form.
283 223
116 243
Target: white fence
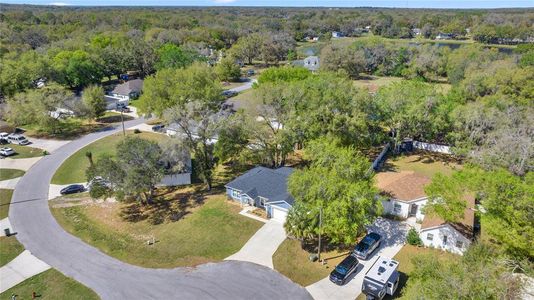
432 147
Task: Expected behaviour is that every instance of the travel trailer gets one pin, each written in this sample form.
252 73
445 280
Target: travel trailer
381 279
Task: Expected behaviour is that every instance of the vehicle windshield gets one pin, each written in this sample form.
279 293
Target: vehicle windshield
362 246
341 270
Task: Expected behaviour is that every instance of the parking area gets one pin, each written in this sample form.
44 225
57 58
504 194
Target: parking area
394 236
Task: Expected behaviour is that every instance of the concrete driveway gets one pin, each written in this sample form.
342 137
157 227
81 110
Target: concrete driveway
22 267
394 234
23 164
262 245
47 144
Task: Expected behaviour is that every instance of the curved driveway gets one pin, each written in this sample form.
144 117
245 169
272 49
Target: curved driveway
39 232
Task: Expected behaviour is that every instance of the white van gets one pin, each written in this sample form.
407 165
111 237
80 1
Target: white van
17 139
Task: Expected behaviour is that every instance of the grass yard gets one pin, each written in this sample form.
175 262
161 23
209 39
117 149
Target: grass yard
293 262
5 200
6 174
25 151
404 257
191 229
246 101
9 249
423 163
73 169
50 284
373 83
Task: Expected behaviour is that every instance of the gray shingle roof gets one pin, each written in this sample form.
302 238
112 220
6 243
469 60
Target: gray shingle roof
264 182
128 87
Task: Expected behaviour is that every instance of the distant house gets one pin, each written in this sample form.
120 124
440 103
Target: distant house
337 34
70 107
264 188
444 36
404 192
311 38
129 90
174 129
311 63
451 236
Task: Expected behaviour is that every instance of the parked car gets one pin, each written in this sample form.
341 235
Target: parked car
3 137
343 270
7 151
17 139
251 72
72 189
229 94
158 127
367 245
124 109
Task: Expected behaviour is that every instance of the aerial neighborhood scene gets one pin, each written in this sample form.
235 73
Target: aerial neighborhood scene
238 149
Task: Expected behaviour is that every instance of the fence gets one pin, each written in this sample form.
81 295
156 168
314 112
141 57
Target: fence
432 147
379 159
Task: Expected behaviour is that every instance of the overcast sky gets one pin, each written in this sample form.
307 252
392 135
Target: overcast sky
327 3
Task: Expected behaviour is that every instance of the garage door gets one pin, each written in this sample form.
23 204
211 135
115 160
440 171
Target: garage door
279 214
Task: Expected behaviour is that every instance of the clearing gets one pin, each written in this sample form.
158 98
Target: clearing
247 101
423 163
73 169
187 228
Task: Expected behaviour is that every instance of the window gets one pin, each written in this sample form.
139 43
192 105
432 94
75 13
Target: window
235 194
430 236
397 208
459 244
444 240
262 201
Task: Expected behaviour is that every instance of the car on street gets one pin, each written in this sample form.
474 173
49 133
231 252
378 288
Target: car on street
18 139
367 245
158 127
343 270
72 189
7 151
229 93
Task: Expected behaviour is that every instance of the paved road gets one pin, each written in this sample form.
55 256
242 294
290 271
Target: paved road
39 232
243 87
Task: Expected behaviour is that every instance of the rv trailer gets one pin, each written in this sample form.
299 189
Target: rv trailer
381 279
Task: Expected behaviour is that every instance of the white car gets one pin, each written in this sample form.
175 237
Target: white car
6 151
18 139
3 136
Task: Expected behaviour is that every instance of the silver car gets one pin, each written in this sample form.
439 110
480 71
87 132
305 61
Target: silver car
7 151
18 139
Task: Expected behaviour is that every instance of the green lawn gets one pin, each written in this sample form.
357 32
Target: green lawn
5 200
424 163
73 169
25 151
50 284
246 101
192 229
6 174
293 262
404 257
9 249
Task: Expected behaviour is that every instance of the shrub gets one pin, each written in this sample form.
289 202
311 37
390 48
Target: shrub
137 131
413 238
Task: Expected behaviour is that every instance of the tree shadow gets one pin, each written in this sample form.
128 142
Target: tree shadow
114 119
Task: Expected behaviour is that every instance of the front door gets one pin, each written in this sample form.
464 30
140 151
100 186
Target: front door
413 210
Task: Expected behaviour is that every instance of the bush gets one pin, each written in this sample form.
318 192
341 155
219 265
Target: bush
413 238
137 131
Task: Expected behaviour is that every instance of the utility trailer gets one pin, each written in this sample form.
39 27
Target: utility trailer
381 279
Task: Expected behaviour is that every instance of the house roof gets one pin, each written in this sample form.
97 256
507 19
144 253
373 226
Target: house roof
264 182
403 186
126 88
311 63
463 226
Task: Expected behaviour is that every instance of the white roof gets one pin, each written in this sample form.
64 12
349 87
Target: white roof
382 269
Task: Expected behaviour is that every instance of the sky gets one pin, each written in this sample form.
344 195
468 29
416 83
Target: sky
321 3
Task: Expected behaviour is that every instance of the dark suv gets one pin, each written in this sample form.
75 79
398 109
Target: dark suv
342 271
367 245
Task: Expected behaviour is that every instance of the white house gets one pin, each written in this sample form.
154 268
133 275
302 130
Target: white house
453 237
405 193
337 34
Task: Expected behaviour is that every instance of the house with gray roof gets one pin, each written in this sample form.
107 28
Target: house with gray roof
129 90
264 188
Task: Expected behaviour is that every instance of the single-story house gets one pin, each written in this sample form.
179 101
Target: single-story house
405 194
453 237
264 188
129 90
175 130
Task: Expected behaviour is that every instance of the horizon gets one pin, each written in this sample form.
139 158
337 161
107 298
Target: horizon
345 4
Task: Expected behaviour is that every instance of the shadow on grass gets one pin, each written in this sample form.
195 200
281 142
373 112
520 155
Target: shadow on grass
114 119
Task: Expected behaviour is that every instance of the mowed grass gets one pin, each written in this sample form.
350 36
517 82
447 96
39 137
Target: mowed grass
50 284
5 200
24 151
73 169
6 174
404 257
247 101
9 249
293 262
210 231
424 163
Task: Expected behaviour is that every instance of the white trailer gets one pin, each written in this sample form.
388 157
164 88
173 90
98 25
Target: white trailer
381 279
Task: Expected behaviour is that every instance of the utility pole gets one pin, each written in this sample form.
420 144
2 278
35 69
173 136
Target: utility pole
320 229
122 121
